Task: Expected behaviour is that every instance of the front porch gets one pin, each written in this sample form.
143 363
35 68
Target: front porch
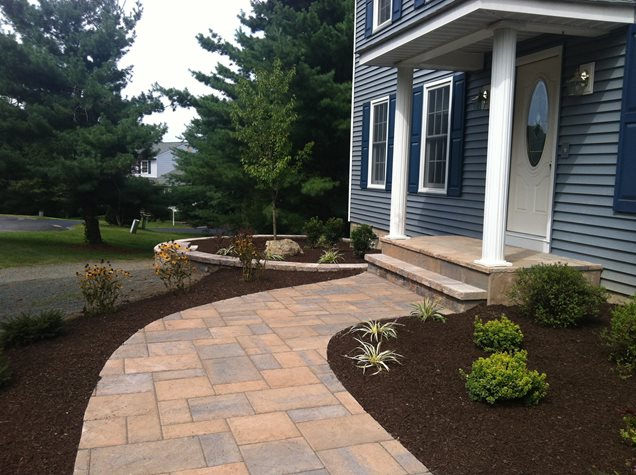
444 267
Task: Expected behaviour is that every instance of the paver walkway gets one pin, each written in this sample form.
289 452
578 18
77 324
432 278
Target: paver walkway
243 386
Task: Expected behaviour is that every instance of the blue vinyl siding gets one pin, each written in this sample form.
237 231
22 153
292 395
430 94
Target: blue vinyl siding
584 225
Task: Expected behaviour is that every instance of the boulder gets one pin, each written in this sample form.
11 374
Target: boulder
283 247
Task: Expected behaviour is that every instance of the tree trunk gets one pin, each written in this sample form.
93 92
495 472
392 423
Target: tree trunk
274 218
92 234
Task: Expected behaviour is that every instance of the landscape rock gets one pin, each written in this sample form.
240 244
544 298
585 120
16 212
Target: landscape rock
283 247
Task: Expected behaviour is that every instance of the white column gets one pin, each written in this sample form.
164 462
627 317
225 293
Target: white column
502 90
397 229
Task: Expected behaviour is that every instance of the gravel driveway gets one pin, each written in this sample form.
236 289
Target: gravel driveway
36 288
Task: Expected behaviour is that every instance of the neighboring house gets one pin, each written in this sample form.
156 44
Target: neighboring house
162 163
506 122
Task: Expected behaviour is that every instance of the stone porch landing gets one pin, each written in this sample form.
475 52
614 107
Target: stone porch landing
444 267
242 386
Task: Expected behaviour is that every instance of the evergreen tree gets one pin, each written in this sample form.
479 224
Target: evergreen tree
316 39
65 129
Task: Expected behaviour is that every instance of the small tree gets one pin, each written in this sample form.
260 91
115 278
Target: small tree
263 116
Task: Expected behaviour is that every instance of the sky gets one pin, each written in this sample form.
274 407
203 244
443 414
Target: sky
166 49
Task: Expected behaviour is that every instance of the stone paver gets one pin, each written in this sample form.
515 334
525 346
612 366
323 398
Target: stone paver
242 386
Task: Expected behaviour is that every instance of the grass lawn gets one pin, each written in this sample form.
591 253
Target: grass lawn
56 247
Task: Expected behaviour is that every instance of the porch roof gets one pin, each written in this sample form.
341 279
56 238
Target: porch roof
457 37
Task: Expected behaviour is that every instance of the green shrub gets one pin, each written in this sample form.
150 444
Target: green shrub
27 328
362 239
497 335
313 229
325 234
332 230
505 377
556 295
628 433
5 370
620 338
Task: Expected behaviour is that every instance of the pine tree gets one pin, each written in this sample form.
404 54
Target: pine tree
64 125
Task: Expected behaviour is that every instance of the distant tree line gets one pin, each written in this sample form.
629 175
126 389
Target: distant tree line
68 139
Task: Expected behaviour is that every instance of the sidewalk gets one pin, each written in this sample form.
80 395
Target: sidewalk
243 386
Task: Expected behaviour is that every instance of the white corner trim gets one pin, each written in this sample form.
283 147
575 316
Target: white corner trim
353 96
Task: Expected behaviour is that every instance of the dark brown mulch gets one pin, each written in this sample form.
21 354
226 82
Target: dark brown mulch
212 245
425 405
41 411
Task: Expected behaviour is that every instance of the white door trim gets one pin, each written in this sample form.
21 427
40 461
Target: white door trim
520 239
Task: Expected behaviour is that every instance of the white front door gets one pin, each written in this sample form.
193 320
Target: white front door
533 150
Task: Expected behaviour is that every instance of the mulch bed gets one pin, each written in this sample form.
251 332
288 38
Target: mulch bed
309 255
41 412
425 405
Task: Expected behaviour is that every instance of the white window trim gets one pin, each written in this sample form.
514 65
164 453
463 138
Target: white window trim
141 167
370 157
448 81
376 11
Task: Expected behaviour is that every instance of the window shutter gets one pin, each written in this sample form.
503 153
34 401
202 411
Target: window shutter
625 190
364 155
397 10
368 25
390 141
419 3
416 139
456 153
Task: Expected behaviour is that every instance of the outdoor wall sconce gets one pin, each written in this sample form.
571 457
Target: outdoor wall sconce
582 81
482 99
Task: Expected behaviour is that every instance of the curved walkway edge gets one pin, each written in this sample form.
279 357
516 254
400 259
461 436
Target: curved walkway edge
242 386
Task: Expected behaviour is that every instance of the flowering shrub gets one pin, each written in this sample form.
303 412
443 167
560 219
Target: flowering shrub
252 261
173 266
101 286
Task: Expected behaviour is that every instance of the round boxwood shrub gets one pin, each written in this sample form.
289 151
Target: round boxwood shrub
497 335
361 239
505 377
620 338
556 295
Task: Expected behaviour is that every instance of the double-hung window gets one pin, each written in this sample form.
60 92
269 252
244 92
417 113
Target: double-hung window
378 142
435 136
382 13
145 167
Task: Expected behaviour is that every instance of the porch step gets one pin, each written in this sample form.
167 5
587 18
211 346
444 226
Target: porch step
453 294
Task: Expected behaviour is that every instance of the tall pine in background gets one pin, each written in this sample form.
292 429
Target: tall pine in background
67 136
316 39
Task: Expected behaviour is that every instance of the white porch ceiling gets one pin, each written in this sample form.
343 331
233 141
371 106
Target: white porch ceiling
458 38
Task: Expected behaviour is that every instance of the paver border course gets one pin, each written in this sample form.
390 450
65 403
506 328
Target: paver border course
205 259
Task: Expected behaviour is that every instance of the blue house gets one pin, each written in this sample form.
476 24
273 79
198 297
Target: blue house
489 135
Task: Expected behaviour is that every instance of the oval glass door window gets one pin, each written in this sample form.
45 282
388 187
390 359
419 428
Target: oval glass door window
537 122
